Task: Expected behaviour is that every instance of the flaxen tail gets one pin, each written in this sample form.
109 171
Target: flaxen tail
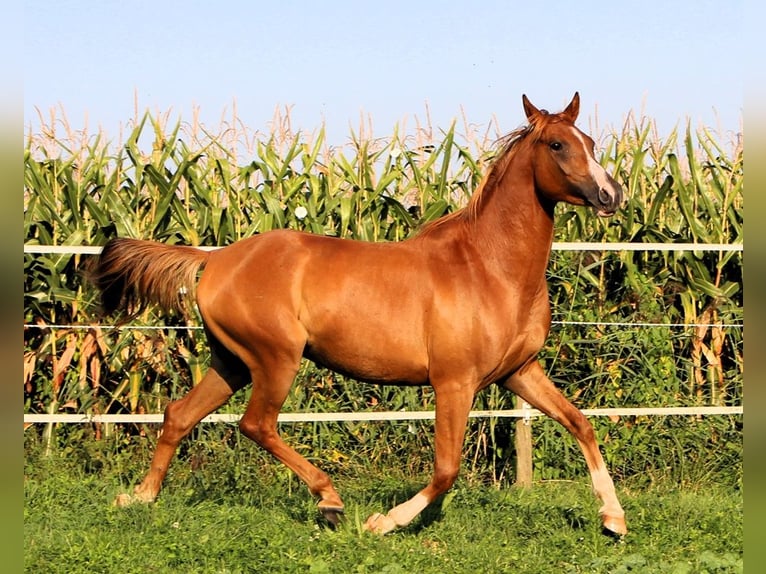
132 274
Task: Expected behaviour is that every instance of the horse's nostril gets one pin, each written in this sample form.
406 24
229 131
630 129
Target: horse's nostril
604 196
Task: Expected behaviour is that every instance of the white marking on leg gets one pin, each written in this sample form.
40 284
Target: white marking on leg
398 516
604 489
406 512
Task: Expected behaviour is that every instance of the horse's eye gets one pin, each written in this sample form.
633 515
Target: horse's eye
556 146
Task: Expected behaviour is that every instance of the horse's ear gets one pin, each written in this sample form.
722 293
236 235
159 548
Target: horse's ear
531 111
573 109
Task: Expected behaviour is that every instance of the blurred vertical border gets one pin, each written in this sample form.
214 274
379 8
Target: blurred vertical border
11 281
755 289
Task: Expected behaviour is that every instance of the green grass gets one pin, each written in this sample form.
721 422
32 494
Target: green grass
237 511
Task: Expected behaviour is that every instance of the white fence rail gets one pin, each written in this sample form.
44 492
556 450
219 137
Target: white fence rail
523 413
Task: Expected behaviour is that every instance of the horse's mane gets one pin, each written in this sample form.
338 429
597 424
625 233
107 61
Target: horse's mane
506 146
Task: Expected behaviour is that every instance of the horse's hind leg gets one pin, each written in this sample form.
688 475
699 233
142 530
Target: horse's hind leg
271 385
533 386
225 376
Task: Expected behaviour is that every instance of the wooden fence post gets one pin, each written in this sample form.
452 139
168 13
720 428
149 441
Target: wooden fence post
523 446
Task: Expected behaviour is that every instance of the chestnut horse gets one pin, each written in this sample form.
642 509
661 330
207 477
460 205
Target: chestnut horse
461 305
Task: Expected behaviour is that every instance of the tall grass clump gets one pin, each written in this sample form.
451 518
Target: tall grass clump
178 183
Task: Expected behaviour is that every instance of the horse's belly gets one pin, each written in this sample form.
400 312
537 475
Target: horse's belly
374 360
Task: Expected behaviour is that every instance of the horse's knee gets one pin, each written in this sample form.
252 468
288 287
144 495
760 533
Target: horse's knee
257 431
247 428
581 428
174 425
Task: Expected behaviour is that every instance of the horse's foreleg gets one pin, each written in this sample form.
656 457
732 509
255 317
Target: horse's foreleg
453 405
259 423
532 385
180 418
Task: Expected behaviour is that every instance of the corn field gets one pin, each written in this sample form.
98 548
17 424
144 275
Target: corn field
178 183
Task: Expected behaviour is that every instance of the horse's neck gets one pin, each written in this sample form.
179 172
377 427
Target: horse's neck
506 227
512 223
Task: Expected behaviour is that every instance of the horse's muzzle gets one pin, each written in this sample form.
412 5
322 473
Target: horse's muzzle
608 199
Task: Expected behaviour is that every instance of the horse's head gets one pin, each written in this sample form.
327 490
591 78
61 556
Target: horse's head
564 164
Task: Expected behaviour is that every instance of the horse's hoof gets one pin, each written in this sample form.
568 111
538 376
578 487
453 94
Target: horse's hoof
333 514
123 500
379 524
615 526
138 497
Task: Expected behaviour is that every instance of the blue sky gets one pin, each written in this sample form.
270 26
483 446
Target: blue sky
332 62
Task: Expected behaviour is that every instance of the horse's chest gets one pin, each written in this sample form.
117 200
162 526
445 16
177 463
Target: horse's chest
490 337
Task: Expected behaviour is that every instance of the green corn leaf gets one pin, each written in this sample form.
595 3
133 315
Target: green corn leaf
435 210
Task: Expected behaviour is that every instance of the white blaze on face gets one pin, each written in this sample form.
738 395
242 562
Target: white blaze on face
597 172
